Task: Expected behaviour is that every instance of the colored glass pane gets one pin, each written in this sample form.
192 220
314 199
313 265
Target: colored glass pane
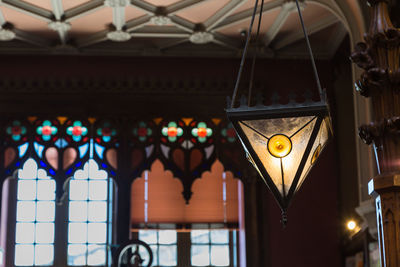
46 130
172 131
202 132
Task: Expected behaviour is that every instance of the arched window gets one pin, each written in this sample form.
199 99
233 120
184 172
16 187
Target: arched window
57 208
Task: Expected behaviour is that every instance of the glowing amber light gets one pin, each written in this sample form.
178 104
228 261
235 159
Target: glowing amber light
279 146
315 156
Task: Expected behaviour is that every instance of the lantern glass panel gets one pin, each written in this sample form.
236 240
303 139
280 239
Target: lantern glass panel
280 145
318 146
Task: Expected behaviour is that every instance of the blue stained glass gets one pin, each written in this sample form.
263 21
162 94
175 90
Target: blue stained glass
18 164
8 171
68 172
99 150
52 172
104 165
39 149
42 164
78 164
22 149
61 143
83 149
112 172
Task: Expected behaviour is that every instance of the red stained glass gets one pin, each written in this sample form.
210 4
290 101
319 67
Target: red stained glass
77 130
202 132
98 140
193 140
25 138
54 139
37 138
86 139
106 132
142 131
181 124
16 130
230 132
46 130
164 139
172 131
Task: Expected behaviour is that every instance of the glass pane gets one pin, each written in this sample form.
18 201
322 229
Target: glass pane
200 255
200 236
46 190
26 189
76 255
96 255
167 237
45 233
94 171
78 211
220 255
24 255
148 236
25 233
154 249
77 233
78 190
97 211
26 211
167 256
97 233
44 255
220 236
29 170
144 254
98 190
45 211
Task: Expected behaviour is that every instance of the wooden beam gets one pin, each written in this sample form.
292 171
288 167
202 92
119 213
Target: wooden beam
93 39
58 12
183 23
2 19
226 42
29 9
222 13
134 24
181 5
160 32
144 6
83 10
29 38
246 14
313 28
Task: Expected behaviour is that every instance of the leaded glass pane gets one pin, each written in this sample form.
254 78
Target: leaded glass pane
24 255
96 255
44 255
46 189
167 237
77 233
148 236
25 232
200 255
167 255
219 236
26 190
77 255
220 255
26 211
78 190
97 211
97 233
44 233
98 190
78 211
45 211
200 236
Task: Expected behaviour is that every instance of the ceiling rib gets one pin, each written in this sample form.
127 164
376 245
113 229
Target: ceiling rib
83 10
222 13
313 28
224 41
172 44
58 11
29 38
134 24
93 39
29 9
156 32
144 6
287 9
246 14
181 5
118 17
2 19
183 23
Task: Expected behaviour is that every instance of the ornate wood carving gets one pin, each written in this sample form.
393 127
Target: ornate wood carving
379 56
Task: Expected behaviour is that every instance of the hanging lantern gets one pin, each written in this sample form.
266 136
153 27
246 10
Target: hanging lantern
283 142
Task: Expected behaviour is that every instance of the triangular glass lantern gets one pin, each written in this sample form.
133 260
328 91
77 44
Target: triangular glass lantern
282 142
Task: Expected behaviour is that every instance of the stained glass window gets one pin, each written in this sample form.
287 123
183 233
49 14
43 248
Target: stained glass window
89 226
34 234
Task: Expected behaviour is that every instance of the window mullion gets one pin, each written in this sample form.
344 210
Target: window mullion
184 247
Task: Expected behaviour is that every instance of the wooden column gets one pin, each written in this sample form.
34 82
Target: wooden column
379 56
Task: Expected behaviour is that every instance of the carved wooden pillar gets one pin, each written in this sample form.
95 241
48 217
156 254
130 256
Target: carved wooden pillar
380 57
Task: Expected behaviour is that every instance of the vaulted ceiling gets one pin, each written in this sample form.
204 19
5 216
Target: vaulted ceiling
163 27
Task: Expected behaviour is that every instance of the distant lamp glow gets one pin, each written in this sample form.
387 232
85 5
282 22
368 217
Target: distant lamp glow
351 225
